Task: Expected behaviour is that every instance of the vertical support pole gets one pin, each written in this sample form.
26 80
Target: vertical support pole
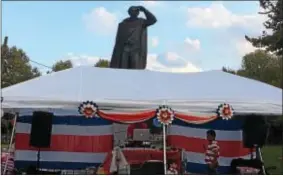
259 156
38 159
164 149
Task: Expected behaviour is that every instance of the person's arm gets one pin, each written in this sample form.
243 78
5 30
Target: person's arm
216 156
150 18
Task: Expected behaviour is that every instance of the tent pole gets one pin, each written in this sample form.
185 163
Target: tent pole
11 143
164 149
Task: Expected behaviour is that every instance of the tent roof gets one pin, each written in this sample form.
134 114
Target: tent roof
202 91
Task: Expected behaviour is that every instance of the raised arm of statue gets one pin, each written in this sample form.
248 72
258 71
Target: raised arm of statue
150 18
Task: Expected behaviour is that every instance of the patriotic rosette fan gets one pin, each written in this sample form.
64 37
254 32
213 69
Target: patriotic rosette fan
165 115
89 109
225 111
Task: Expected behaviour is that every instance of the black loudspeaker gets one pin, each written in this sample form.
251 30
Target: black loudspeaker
41 128
254 131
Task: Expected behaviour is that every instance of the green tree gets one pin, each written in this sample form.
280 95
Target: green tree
7 126
262 66
228 70
62 65
3 127
272 38
15 66
103 63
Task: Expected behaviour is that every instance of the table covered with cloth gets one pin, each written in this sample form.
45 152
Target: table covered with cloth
141 155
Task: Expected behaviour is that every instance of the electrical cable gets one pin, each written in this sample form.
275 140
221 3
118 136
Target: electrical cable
40 64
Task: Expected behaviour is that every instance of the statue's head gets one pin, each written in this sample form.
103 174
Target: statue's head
133 11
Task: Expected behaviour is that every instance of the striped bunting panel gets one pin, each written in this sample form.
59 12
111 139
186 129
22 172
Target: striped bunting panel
76 142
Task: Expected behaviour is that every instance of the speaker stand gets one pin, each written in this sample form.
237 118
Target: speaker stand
259 157
252 153
38 160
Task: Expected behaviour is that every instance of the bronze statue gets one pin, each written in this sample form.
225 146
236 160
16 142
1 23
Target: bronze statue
130 50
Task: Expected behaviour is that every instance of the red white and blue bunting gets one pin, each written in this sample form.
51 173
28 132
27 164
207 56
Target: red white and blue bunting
164 114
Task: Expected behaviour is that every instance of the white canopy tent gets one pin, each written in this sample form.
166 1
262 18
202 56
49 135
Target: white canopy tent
142 89
119 89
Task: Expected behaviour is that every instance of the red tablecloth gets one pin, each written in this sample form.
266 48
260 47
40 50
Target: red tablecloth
140 155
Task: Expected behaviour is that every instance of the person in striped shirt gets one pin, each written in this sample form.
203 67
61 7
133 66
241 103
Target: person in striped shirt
211 152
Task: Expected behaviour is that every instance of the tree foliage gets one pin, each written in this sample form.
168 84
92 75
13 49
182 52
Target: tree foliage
62 65
272 38
262 66
228 70
15 66
102 63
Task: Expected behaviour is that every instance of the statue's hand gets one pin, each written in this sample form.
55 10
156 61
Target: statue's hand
141 8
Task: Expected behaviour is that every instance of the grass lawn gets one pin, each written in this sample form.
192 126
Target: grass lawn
271 155
4 146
